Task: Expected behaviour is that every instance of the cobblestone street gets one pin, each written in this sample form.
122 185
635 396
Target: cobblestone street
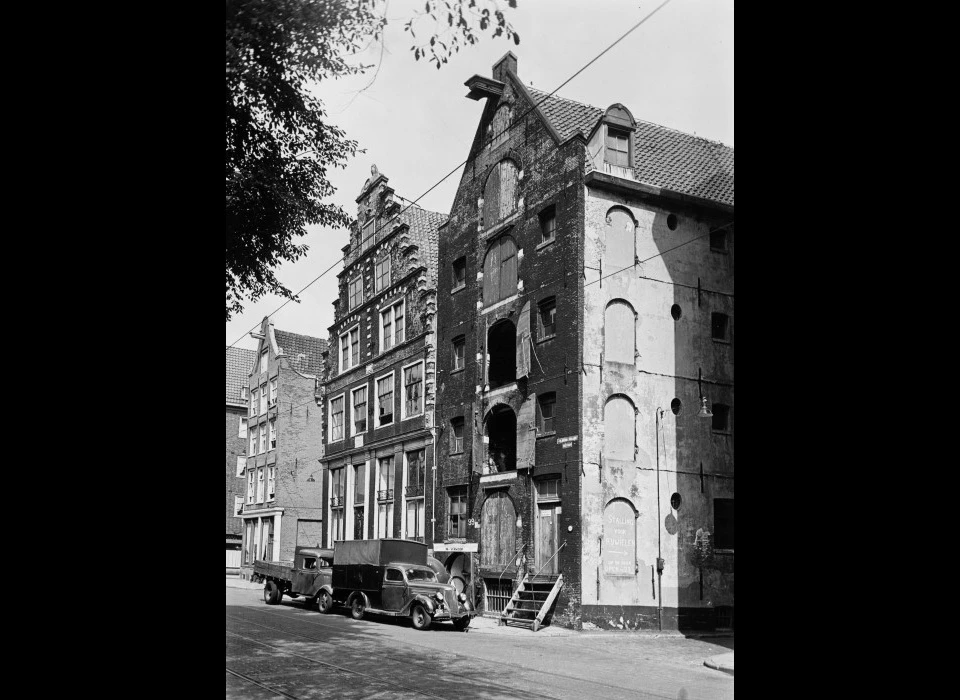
290 651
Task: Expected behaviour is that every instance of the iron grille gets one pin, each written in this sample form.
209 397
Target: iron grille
415 490
498 594
386 495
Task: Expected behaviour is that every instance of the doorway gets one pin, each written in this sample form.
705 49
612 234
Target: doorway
547 527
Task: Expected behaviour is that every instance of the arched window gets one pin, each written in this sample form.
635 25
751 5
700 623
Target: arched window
500 271
619 428
499 126
619 332
620 235
500 193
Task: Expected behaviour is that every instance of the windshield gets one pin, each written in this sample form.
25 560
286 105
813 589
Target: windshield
421 575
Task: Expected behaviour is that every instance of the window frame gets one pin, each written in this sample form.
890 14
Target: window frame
548 497
271 483
252 442
459 495
725 336
461 283
330 414
366 417
403 399
391 310
541 400
241 465
263 398
251 485
725 410
614 132
272 398
262 429
548 214
272 439
722 248
498 243
242 430
350 295
456 443
546 304
459 342
393 399
264 360
378 273
260 485
346 358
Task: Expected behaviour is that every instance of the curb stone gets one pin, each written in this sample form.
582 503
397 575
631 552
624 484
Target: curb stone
723 662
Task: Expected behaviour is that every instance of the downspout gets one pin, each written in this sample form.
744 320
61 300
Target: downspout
657 415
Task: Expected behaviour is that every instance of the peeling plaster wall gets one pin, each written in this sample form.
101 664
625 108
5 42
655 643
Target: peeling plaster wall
669 355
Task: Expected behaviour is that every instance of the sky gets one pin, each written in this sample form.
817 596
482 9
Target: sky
416 124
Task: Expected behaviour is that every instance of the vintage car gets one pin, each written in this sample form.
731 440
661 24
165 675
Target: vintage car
308 575
391 577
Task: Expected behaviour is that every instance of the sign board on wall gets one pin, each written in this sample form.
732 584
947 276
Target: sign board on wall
455 547
619 540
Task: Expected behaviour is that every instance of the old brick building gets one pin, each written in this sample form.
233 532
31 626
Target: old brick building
586 287
281 507
378 448
239 362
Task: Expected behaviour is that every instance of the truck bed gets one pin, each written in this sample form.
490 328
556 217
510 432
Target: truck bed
274 569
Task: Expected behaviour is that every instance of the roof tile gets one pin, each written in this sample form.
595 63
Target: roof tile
239 363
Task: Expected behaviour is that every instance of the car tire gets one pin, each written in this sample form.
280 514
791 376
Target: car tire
271 593
324 602
356 608
420 618
462 624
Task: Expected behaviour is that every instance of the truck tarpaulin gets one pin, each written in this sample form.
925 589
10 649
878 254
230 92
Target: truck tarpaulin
379 552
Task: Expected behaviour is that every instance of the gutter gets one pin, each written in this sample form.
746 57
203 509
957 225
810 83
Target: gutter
596 178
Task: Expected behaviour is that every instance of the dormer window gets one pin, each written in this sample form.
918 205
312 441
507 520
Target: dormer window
617 150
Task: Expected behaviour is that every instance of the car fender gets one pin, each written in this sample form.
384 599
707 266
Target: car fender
358 594
429 603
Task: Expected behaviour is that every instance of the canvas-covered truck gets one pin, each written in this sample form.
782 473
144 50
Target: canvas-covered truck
391 577
308 575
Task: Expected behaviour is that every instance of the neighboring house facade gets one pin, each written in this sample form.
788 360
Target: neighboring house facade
586 279
282 494
239 362
378 448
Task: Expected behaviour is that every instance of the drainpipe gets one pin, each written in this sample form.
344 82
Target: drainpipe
657 415
433 492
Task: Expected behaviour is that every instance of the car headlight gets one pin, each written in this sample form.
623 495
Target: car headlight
462 597
439 596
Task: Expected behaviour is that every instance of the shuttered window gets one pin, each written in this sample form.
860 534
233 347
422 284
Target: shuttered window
498 531
500 193
500 271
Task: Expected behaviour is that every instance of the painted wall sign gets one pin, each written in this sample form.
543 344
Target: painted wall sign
619 540
566 442
452 547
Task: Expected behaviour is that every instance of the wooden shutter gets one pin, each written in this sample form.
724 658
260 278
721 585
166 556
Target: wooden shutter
490 532
508 188
526 433
491 198
523 342
508 267
491 275
476 439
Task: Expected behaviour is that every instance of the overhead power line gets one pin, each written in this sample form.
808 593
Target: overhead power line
512 124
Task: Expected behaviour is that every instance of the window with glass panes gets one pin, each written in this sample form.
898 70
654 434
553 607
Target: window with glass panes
260 485
547 319
415 519
271 483
337 477
359 492
459 349
548 490
350 349
383 274
385 400
336 419
264 358
356 292
548 404
385 476
459 273
273 391
415 471
548 224
391 322
263 399
251 480
456 436
618 148
457 512
360 410
253 440
263 438
413 390
273 434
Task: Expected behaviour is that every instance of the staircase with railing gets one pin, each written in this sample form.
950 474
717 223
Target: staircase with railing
534 598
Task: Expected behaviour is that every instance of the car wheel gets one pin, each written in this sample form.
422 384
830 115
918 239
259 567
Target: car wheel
271 593
420 618
324 602
462 624
356 609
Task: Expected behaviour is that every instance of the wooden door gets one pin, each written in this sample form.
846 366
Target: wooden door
548 522
498 533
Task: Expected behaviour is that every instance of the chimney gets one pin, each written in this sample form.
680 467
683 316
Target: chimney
500 67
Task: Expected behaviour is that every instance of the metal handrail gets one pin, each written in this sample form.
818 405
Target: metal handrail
550 559
519 549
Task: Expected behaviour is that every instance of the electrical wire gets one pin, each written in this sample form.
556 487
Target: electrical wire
513 124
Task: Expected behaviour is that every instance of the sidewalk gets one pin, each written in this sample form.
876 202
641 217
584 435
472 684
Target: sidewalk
721 662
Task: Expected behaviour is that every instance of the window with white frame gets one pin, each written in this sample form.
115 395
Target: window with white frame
251 477
260 485
350 349
456 435
273 392
385 476
356 292
243 428
384 413
414 515
415 519
412 390
617 150
263 438
241 464
457 511
252 404
459 350
391 326
237 505
383 274
271 483
253 441
263 399
359 403
273 434
336 419
337 520
415 472
264 359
